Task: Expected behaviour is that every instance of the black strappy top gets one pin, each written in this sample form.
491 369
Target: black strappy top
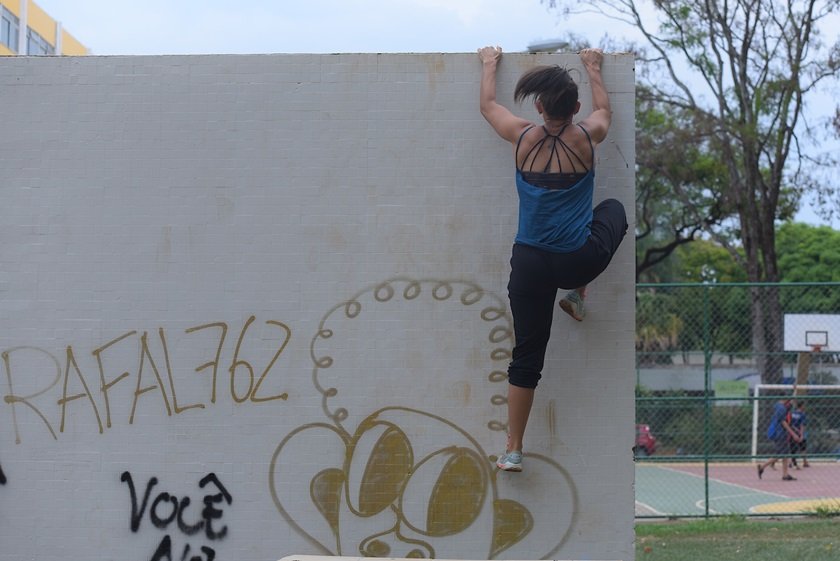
557 179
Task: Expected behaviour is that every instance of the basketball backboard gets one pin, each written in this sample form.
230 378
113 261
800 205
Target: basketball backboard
811 332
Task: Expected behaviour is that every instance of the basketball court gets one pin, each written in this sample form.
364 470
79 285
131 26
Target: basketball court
734 488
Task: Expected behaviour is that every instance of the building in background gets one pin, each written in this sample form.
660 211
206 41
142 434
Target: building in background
26 29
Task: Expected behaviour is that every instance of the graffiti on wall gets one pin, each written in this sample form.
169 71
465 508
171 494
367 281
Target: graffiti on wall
167 512
397 481
398 465
151 377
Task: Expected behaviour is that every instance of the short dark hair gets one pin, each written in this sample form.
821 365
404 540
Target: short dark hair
550 85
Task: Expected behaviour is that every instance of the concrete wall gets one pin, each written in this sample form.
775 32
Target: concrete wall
253 306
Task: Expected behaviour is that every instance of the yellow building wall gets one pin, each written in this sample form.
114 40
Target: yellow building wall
71 46
14 7
44 25
41 23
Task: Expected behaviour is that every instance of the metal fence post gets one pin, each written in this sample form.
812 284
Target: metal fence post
707 370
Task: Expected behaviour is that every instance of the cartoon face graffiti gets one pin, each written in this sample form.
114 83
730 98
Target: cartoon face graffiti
404 482
389 490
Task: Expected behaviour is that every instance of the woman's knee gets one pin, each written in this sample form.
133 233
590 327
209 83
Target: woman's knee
609 224
523 378
612 208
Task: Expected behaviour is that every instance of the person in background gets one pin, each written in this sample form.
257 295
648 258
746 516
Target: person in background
780 432
797 423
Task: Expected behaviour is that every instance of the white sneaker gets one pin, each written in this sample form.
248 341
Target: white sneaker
572 304
510 461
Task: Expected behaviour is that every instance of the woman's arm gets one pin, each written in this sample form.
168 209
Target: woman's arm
505 123
598 123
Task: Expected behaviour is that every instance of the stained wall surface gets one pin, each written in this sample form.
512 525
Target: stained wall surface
253 306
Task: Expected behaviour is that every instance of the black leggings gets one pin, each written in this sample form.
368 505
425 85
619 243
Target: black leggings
535 277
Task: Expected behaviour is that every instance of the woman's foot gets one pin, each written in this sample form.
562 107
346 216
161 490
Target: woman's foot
510 461
572 304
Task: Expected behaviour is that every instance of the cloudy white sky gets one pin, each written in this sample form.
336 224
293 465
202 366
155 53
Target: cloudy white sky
152 27
110 27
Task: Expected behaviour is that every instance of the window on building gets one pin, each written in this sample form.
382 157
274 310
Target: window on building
37 45
9 29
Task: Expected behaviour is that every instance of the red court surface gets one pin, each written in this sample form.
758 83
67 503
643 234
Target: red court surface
821 480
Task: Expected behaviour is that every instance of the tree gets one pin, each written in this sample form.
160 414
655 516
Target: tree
707 261
742 71
675 200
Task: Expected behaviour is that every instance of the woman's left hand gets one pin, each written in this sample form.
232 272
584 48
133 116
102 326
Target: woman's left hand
489 54
592 58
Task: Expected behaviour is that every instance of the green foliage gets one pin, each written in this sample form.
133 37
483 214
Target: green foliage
658 326
705 261
829 509
808 253
730 320
823 377
691 318
681 425
805 253
659 409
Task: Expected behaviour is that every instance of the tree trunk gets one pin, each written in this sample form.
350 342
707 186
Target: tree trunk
774 366
759 341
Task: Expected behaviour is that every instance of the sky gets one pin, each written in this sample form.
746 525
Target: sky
134 27
163 27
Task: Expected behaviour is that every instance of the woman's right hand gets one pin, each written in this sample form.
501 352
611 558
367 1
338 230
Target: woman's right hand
592 58
489 54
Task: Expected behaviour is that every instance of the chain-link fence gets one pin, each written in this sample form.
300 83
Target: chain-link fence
722 368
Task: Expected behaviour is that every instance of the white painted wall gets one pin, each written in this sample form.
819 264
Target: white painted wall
251 278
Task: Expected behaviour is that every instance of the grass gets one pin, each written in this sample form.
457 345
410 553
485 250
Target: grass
827 509
738 539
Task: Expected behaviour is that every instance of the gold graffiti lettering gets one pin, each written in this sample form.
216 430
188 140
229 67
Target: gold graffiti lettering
283 395
13 399
171 382
105 386
145 352
215 362
65 399
237 362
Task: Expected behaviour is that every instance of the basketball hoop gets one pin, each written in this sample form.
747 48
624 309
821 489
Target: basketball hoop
816 339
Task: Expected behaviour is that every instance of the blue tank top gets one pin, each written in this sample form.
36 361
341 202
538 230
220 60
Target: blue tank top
555 219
